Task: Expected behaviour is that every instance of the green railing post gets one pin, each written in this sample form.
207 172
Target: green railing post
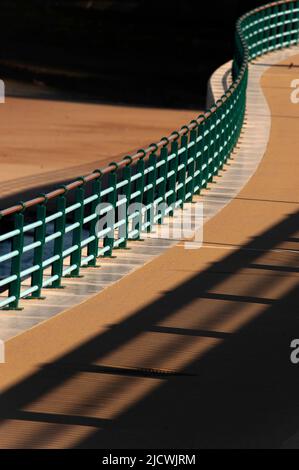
205 153
268 34
214 142
39 237
210 160
296 38
275 39
150 193
231 126
220 135
76 256
16 264
127 175
199 156
191 166
172 182
162 174
139 198
289 26
182 171
112 199
93 247
218 148
282 26
59 227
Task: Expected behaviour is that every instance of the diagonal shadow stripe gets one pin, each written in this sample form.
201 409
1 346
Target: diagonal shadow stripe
53 418
112 370
190 332
36 385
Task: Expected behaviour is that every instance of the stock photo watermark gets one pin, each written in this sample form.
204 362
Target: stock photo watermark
294 357
2 352
2 92
120 222
295 92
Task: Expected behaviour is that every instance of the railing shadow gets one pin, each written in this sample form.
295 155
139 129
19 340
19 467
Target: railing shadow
242 393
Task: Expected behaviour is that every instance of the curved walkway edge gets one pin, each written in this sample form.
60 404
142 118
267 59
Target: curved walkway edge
244 163
192 350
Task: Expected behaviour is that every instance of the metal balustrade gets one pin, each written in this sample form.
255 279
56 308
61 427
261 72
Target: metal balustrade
58 234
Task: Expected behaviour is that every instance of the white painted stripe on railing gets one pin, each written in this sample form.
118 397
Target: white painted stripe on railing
12 234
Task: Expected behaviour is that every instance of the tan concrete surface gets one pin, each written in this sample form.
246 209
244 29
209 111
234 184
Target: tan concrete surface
191 351
49 139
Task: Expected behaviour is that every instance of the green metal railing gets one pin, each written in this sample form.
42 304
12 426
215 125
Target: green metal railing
57 234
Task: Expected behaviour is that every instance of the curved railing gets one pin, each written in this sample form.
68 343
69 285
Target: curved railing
58 234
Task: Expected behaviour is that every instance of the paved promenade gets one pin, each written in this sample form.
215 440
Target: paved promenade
190 351
49 137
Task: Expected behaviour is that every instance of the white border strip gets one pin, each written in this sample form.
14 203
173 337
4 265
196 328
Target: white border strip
256 130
